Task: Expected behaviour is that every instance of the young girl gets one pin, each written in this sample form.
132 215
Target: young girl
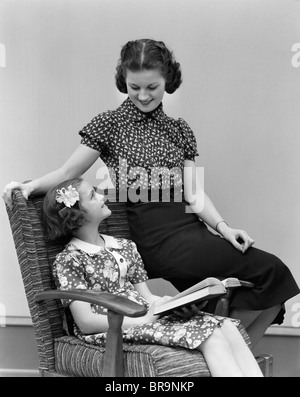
100 262
142 146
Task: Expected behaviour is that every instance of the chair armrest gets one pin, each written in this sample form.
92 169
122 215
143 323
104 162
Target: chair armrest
116 303
118 307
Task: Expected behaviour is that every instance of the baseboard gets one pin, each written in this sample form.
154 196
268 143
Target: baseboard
23 321
274 330
280 330
17 373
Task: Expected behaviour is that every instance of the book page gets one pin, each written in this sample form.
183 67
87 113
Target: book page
209 281
196 296
231 282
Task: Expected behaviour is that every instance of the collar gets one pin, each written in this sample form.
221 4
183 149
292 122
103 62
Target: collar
109 242
128 108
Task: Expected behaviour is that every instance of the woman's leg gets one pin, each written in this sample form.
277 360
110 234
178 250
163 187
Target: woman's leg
240 351
218 356
256 322
167 237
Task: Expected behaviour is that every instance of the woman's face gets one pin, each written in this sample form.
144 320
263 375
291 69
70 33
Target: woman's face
146 88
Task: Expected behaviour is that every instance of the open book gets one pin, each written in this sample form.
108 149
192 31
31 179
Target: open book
206 289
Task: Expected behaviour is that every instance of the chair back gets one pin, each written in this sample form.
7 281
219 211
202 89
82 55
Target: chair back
35 256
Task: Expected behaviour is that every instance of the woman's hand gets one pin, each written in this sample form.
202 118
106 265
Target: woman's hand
7 192
238 238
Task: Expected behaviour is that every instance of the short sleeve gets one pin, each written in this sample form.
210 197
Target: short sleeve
137 273
68 273
96 134
189 141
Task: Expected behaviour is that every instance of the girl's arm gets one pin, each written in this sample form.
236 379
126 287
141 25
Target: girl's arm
201 205
87 321
77 164
142 289
91 323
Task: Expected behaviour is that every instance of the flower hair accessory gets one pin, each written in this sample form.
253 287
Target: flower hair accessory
67 196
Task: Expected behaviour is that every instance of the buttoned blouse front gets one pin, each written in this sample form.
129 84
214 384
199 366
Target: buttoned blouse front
131 142
114 268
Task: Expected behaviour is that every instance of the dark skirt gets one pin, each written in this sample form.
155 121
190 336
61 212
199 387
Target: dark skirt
178 247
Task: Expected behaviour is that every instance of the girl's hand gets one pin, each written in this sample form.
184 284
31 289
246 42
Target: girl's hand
189 311
238 238
153 298
150 316
7 196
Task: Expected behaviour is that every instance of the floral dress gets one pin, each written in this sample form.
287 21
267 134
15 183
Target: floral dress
115 269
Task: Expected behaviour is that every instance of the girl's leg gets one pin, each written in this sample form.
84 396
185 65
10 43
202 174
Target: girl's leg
241 352
218 356
256 322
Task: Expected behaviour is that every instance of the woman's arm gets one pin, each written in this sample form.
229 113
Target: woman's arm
77 164
202 205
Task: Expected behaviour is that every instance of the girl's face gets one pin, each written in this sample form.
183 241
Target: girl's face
92 203
146 88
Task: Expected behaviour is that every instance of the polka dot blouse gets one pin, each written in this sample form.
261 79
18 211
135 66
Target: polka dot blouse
138 146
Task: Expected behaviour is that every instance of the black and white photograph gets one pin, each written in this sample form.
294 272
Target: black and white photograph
150 190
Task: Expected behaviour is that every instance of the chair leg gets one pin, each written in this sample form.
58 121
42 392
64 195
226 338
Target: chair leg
113 357
223 303
265 362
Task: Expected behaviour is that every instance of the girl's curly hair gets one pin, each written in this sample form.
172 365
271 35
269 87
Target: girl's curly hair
59 220
147 54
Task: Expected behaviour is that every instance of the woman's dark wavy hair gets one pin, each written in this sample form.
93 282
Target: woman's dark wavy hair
59 220
147 54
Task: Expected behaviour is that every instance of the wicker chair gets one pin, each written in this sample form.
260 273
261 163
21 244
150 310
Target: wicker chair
61 354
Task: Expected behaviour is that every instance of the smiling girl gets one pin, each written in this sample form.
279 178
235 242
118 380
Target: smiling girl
93 261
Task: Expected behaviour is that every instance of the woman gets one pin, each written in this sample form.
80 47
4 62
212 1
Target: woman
169 226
